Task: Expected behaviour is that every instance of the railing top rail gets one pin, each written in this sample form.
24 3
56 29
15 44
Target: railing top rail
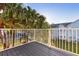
24 29
43 29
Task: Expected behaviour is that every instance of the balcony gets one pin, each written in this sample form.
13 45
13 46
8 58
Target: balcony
39 42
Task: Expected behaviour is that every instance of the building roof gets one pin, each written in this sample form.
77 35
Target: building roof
57 25
64 24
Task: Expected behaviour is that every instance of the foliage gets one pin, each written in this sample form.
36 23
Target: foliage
22 17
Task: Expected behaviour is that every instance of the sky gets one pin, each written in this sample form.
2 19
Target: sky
57 12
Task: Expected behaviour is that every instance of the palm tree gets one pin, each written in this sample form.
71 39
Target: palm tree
29 10
34 18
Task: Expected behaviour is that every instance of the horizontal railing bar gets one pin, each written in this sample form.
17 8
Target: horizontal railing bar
43 29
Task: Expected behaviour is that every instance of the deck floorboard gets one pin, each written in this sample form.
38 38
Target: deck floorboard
34 49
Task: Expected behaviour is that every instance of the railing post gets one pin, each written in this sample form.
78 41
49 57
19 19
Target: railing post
72 40
34 34
49 39
13 35
52 36
65 38
62 38
9 39
76 41
59 38
68 41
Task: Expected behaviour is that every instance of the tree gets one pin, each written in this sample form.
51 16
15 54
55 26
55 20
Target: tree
15 14
40 21
10 12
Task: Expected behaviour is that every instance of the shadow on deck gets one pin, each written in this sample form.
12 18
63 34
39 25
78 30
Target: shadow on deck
34 49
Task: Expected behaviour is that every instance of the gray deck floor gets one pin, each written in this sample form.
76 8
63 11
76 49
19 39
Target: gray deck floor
34 49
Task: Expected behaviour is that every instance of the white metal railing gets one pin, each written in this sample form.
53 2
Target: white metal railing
67 39
63 38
